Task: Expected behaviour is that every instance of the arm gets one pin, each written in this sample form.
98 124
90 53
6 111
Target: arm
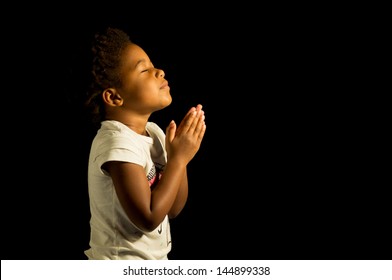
145 207
182 195
181 198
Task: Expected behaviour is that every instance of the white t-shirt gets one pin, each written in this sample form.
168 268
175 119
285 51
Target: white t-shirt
113 235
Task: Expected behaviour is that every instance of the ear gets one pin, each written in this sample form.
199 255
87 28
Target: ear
111 97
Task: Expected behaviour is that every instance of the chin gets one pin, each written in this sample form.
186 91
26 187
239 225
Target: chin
167 102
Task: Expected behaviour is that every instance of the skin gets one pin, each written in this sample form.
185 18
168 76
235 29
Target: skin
145 90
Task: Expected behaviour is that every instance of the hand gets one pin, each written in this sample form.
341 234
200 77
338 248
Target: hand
182 143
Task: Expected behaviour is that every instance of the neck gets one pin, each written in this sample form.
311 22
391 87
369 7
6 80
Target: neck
138 130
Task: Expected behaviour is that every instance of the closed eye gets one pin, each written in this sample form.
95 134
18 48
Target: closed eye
148 69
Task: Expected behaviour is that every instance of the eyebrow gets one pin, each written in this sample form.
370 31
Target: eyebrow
140 61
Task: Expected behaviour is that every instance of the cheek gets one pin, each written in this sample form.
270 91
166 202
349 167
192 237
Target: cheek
137 88
141 89
147 87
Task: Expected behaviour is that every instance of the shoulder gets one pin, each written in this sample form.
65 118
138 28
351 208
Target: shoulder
116 135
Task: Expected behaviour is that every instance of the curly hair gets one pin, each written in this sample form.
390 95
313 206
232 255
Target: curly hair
107 49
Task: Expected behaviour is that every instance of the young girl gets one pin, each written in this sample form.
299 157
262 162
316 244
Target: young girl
137 173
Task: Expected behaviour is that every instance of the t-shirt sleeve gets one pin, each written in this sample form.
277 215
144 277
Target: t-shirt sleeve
120 149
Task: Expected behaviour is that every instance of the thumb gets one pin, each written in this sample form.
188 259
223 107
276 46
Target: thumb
171 131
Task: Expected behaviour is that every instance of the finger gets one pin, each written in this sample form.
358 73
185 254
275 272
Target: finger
187 115
200 127
202 132
171 131
187 121
197 121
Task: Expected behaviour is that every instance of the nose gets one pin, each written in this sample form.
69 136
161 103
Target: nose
160 73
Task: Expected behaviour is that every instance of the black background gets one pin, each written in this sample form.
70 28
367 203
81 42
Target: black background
287 169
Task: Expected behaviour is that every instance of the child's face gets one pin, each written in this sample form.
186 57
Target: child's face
144 87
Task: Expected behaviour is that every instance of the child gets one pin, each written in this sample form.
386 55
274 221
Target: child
137 173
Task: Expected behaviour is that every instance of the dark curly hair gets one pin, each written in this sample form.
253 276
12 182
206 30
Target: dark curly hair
106 49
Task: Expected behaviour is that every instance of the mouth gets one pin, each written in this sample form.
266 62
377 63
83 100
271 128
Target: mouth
164 85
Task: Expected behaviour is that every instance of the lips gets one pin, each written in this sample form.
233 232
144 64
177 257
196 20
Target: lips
164 85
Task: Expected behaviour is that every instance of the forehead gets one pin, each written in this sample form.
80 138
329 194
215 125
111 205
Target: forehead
134 55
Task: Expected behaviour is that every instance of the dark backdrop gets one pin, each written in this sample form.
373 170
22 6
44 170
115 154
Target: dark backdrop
284 172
